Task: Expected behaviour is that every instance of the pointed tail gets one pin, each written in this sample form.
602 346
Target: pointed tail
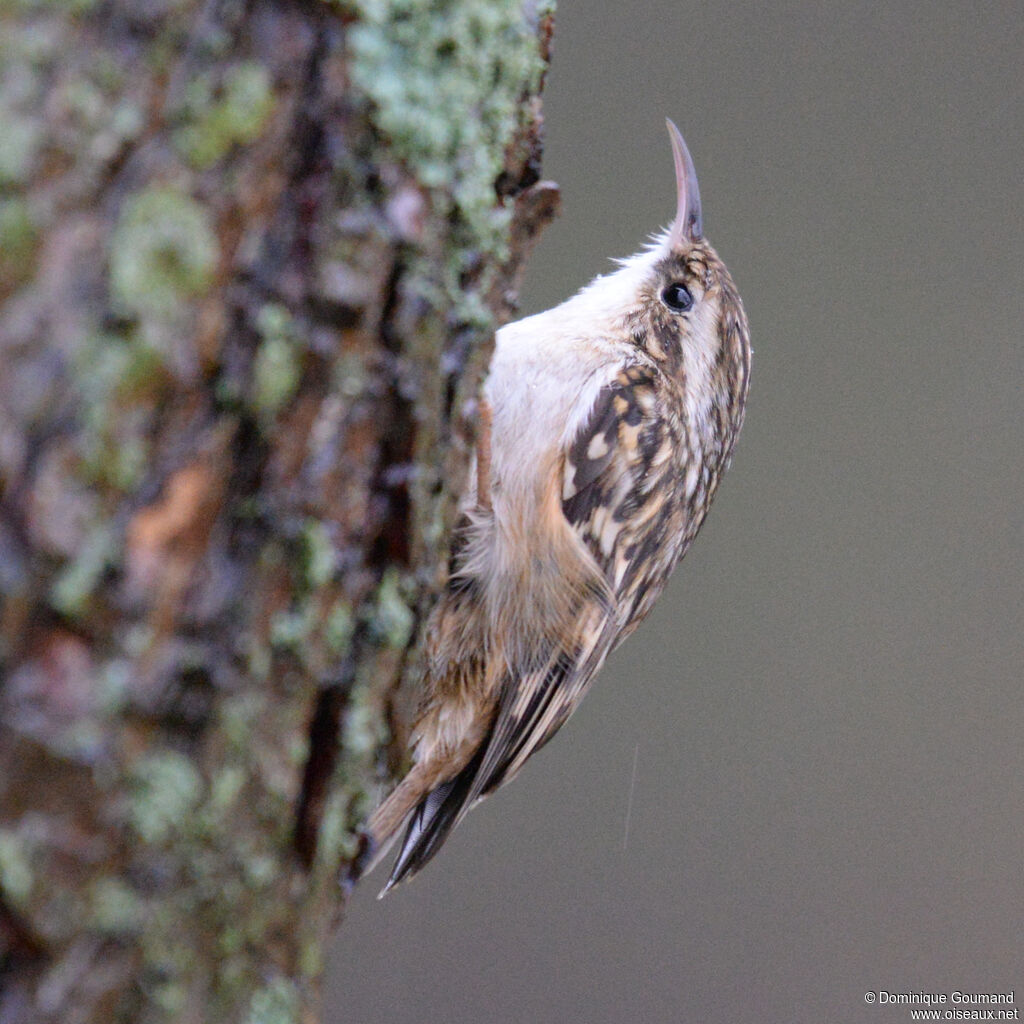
432 822
433 816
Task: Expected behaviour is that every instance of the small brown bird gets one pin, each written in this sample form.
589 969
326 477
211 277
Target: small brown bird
608 423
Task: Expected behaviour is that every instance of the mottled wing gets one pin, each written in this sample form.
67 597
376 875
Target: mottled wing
621 490
619 494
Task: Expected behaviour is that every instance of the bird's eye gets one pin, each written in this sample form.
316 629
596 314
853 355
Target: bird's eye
677 297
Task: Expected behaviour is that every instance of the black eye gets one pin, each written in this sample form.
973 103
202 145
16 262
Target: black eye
677 297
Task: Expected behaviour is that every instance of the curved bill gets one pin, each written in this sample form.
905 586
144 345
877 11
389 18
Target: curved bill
689 224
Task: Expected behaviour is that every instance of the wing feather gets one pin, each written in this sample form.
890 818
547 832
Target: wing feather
628 507
614 491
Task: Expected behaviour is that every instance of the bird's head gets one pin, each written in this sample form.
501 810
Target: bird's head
676 301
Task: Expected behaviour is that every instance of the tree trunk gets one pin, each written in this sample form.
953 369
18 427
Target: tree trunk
251 259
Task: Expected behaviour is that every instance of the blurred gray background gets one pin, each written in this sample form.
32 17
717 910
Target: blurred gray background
825 710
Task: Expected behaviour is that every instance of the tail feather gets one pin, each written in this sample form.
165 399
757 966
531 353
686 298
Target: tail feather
432 821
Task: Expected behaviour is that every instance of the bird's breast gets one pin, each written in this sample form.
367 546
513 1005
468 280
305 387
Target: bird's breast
543 382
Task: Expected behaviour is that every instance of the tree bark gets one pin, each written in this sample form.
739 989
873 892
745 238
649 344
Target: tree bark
251 259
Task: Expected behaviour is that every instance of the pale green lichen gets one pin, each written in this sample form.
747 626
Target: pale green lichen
339 628
447 80
170 996
261 870
290 629
258 660
118 127
277 368
238 716
111 369
311 957
333 831
164 253
19 238
16 875
393 619
231 940
363 730
22 137
275 1003
113 686
350 374
297 749
237 117
165 790
320 556
74 585
115 909
225 789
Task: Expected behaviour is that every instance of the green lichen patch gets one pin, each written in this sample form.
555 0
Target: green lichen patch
119 378
277 369
447 79
334 832
114 907
23 137
16 874
363 728
320 556
19 239
96 123
164 253
291 629
393 619
214 124
166 788
75 584
238 717
338 628
225 789
275 1003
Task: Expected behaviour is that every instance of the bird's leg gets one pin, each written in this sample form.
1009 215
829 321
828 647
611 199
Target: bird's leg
483 456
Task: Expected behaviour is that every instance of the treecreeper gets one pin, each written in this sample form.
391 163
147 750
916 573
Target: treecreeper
607 423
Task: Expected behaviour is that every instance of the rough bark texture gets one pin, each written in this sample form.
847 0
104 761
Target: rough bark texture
251 259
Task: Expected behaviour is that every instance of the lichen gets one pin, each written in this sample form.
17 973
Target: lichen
22 138
320 556
112 372
71 590
290 629
363 729
277 369
19 239
238 716
393 619
447 79
334 831
215 125
163 253
275 1003
166 787
225 789
115 909
311 957
16 874
339 627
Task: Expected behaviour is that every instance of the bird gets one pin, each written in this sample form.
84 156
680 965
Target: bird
606 423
